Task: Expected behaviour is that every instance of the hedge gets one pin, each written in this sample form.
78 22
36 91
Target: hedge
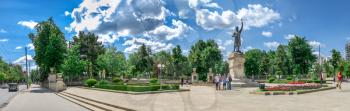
141 88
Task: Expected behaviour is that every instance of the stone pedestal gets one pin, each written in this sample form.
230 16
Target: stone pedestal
210 75
194 75
236 65
56 83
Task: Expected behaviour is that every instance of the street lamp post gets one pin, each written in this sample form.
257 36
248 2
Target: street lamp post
160 66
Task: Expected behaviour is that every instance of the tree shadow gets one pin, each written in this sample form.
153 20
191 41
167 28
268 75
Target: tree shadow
41 90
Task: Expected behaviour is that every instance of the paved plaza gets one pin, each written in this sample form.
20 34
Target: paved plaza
202 98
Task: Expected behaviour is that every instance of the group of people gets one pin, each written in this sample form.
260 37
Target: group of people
223 82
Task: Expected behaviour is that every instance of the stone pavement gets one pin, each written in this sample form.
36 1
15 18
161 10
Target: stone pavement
40 99
202 98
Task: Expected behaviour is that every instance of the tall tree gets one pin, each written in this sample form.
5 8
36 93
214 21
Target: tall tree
112 61
251 64
90 49
335 61
302 55
281 60
204 55
140 62
50 46
73 65
180 63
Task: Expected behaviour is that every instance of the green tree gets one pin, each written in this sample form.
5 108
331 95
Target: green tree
251 64
180 62
50 46
335 61
141 62
301 53
112 61
89 48
264 64
281 60
204 55
73 65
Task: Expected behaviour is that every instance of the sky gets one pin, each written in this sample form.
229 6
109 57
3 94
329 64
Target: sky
163 24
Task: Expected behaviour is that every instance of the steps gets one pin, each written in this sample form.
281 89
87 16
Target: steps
91 104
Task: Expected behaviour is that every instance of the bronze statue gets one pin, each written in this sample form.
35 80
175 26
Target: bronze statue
237 36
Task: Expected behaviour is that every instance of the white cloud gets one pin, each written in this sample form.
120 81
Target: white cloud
289 36
228 42
19 47
257 16
30 46
266 34
4 40
3 31
134 43
30 24
254 16
315 44
271 45
113 18
168 33
22 60
66 13
247 48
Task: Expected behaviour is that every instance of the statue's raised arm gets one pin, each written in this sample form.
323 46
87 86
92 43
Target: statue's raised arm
240 30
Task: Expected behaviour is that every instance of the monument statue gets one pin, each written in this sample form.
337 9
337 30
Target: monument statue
237 37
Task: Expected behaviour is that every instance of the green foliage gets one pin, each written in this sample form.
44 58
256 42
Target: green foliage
301 53
289 78
102 82
281 60
89 48
113 62
139 88
90 82
117 80
271 79
2 76
204 55
251 65
180 62
154 81
50 46
141 61
73 65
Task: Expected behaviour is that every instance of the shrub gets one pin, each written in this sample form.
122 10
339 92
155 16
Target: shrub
289 78
138 88
102 82
117 80
90 82
113 87
271 80
154 81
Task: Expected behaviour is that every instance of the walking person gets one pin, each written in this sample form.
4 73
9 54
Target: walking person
224 82
216 80
182 81
340 77
229 82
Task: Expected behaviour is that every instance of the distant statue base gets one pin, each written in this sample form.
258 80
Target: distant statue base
236 65
56 83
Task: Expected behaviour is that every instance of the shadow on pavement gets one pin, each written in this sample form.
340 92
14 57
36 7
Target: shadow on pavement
40 90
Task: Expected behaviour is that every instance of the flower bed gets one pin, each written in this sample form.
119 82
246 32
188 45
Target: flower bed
297 82
293 87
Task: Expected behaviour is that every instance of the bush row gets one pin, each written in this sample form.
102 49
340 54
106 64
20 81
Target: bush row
138 88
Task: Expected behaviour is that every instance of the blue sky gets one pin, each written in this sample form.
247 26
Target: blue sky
162 24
